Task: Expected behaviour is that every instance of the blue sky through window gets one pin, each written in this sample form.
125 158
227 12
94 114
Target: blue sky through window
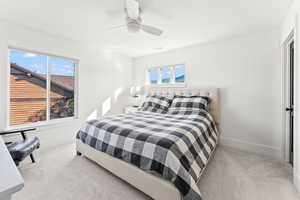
33 62
38 63
153 75
165 74
62 67
179 74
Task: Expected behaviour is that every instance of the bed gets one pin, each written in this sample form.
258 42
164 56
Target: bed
159 182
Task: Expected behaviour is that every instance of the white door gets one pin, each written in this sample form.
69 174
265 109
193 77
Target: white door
289 99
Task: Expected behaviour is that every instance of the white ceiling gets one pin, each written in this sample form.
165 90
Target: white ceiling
184 22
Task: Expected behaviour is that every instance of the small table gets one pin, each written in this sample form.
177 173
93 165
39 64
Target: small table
23 134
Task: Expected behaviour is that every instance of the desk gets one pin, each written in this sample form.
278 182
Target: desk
10 179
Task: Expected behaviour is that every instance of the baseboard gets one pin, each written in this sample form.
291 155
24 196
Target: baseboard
251 147
297 182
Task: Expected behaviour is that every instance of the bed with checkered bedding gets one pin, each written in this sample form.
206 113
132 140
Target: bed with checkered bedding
176 145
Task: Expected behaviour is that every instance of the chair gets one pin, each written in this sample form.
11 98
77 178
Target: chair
20 150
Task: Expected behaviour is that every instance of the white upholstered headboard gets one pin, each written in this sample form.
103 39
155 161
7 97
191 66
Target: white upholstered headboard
212 93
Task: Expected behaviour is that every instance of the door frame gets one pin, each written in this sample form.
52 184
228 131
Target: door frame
285 92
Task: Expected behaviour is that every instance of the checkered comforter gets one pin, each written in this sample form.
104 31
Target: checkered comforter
176 145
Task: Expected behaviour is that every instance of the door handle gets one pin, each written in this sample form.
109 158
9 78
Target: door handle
289 109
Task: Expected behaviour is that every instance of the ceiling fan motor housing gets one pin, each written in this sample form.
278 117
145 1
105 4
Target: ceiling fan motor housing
133 25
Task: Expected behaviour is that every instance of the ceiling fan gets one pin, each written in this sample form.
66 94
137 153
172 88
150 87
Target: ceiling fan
134 21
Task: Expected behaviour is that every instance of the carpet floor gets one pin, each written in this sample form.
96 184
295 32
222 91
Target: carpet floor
231 175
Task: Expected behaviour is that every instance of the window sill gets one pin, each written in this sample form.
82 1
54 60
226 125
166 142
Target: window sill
168 85
44 125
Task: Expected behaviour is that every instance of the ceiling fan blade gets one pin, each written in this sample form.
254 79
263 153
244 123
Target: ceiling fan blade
151 30
133 8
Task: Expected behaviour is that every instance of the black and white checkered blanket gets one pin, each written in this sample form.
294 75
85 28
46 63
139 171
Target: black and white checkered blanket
176 145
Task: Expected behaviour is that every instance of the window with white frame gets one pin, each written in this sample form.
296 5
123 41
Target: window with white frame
173 74
41 89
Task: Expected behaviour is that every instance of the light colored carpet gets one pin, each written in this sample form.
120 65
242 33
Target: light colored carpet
231 175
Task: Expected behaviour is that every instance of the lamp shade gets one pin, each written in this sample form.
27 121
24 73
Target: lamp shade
136 90
136 100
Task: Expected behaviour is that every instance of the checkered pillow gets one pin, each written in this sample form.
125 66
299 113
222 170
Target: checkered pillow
190 103
152 109
158 102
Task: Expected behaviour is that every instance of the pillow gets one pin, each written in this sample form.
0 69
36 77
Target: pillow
190 103
152 109
158 102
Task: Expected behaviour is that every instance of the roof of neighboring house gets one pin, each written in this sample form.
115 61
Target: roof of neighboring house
65 81
59 84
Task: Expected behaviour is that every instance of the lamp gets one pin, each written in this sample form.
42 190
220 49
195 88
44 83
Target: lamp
133 92
135 98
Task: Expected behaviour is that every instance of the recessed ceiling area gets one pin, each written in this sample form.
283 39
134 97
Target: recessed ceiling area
183 22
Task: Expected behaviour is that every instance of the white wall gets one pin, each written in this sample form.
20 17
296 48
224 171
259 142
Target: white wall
248 71
102 75
292 23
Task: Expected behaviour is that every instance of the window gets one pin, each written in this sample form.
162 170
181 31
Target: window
42 87
179 72
174 74
153 76
62 88
165 74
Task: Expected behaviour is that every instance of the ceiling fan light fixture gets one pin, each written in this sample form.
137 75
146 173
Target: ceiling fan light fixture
134 21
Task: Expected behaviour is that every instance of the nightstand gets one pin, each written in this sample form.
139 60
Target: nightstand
130 109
